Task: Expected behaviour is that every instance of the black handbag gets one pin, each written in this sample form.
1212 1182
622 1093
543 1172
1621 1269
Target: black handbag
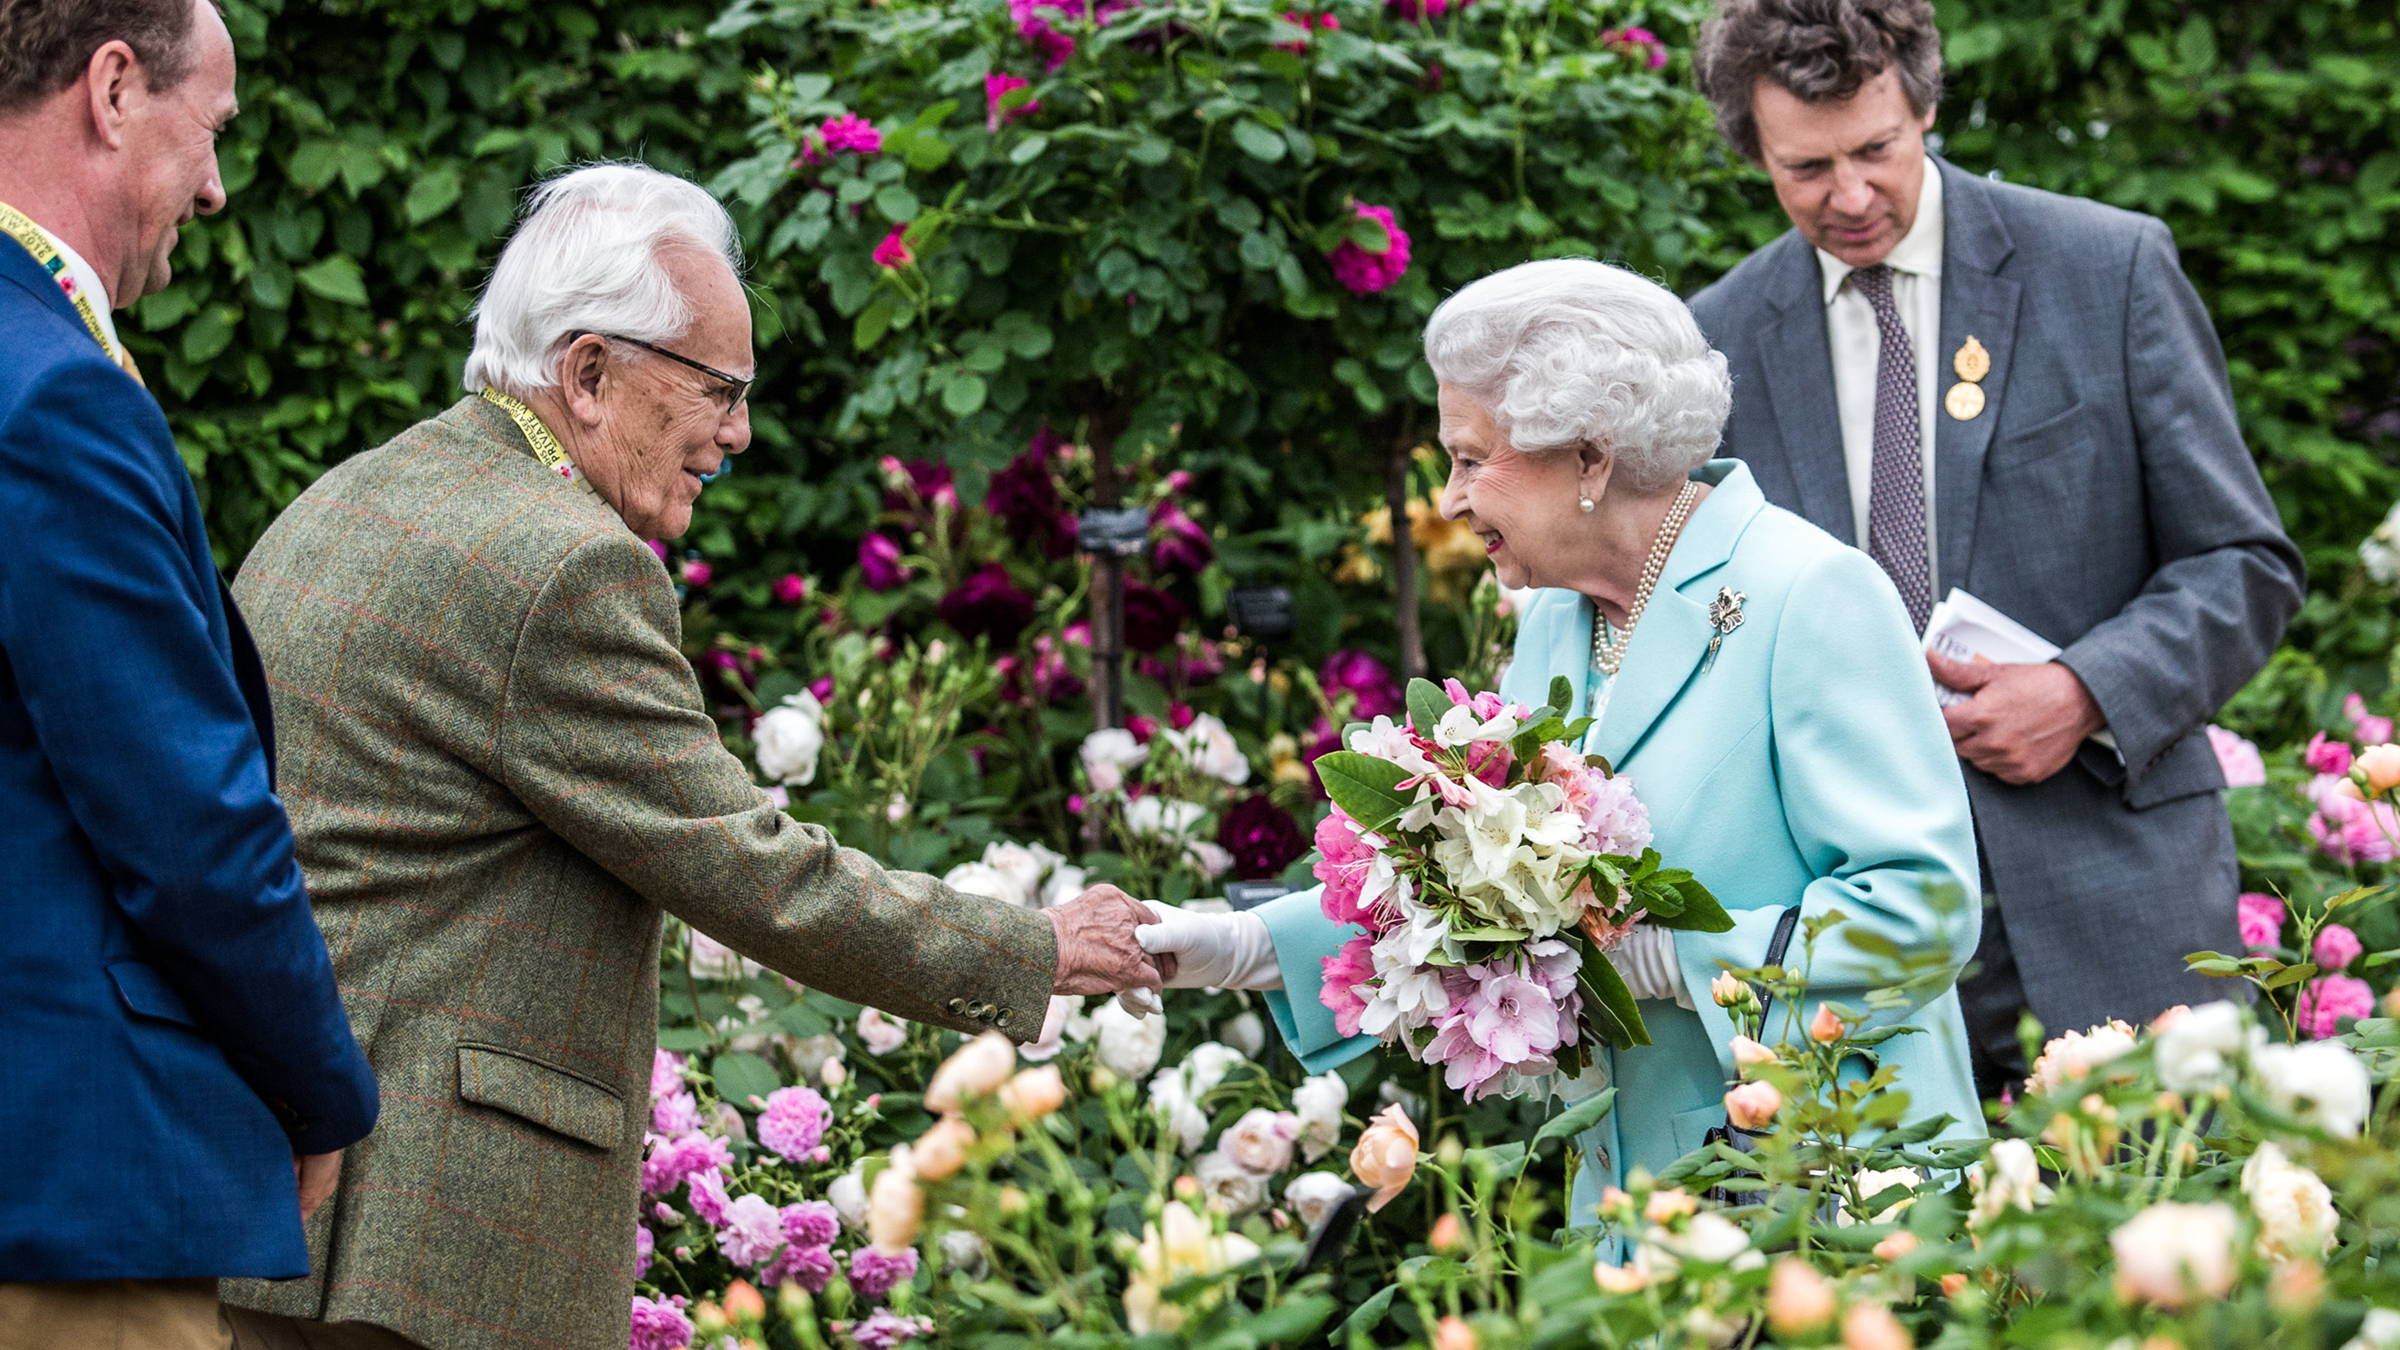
1729 1133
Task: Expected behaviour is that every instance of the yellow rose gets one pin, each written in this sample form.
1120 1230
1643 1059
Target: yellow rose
1178 1247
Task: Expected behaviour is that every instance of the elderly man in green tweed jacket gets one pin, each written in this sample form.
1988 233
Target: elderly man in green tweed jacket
500 773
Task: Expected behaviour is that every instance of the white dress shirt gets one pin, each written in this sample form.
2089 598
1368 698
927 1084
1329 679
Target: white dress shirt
89 286
1916 263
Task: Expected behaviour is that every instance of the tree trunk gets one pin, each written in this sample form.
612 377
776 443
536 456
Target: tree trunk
1404 553
1108 578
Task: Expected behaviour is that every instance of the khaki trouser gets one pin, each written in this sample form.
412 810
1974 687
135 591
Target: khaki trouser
112 1315
266 1331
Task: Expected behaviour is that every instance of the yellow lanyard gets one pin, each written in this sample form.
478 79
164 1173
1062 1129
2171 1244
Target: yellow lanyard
545 446
16 225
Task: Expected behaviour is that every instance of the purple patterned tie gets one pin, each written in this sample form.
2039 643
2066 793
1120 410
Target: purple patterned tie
1896 487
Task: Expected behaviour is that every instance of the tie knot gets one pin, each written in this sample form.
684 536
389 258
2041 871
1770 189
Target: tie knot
1874 282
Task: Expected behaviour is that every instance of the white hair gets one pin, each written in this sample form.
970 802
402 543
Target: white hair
1569 352
586 259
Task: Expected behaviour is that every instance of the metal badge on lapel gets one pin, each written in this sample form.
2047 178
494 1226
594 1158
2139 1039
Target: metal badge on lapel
1725 615
1965 399
1972 362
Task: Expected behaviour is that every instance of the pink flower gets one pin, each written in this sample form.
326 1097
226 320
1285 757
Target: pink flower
809 1267
811 1223
1614 819
1639 43
996 89
2336 947
659 1324
1366 272
2327 757
675 1114
2261 920
1501 1020
874 1272
1368 682
697 574
2237 759
1346 974
884 1329
751 1232
707 1194
2330 1000
1343 866
879 562
671 1162
1054 46
853 133
2351 831
645 1246
893 251
790 589
1412 10
666 1073
793 1122
2370 729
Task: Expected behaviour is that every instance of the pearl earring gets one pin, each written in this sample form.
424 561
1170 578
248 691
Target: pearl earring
1586 503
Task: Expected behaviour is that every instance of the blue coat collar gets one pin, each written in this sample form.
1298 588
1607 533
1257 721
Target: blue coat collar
18 266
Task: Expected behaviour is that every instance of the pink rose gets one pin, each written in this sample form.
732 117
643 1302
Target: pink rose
2370 729
1367 271
2237 759
790 589
1343 868
2327 757
996 89
2261 920
1346 974
893 251
2330 1000
2336 947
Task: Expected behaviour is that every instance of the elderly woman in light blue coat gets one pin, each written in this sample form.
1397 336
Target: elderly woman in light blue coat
1793 759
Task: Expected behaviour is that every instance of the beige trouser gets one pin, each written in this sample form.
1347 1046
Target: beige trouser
266 1331
112 1315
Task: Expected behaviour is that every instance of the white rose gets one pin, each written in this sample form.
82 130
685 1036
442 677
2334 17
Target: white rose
966 1253
1180 1246
2009 1178
1019 864
1065 884
2176 1255
1312 1196
880 1032
2380 555
1208 746
1318 1103
1129 1045
1162 817
1210 860
848 1196
1171 1101
810 1056
1261 1140
1244 1033
1107 754
713 960
1872 1184
2294 1208
2070 1059
789 737
977 878
2318 1083
1707 1236
1064 1011
1231 1189
1207 1066
2199 1048
2380 1331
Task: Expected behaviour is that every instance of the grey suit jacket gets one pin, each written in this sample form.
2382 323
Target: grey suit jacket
2104 498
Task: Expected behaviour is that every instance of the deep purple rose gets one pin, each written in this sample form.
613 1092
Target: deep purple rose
1152 617
1025 497
988 605
1370 681
879 562
1183 544
1261 836
926 482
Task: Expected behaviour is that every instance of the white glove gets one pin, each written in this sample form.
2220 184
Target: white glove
1646 960
1212 951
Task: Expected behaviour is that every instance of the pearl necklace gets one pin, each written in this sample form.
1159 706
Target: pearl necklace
1608 644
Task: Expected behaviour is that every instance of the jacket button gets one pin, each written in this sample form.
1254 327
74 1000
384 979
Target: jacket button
958 1006
977 1010
1002 1020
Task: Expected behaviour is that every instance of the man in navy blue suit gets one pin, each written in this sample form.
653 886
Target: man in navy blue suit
177 1078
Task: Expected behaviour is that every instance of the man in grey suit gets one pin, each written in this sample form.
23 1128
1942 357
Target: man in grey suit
2019 395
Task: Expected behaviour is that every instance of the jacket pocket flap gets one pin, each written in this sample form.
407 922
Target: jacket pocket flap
545 1094
148 993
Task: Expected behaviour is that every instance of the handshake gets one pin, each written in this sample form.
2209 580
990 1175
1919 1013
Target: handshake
1111 943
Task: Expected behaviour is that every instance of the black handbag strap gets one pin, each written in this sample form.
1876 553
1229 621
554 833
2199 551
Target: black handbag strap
1781 943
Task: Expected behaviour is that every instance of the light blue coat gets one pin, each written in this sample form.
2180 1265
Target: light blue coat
1806 765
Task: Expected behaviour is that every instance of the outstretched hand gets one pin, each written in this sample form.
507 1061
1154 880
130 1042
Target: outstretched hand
2022 721
1098 953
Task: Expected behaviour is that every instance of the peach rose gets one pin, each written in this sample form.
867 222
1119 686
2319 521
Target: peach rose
1752 1106
1799 1300
1825 1027
942 1150
895 1206
1386 1155
975 1069
1447 1233
1669 1205
1618 1279
1871 1326
1034 1093
2380 765
1748 1053
1453 1333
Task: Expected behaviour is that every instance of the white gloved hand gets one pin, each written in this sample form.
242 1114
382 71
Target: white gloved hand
1646 960
1212 951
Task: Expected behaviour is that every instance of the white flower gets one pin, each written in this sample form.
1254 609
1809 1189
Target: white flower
2070 1059
2318 1083
880 1032
1107 754
2009 1178
1019 864
1707 1236
2294 1207
1129 1045
1058 1024
1211 860
809 1056
2199 1047
1231 1189
965 1252
1873 1183
977 878
1163 816
1065 884
1208 1064
1171 1101
2380 555
848 1196
2380 1331
1312 1195
1261 1140
1318 1103
789 737
713 960
1178 1247
1208 747
1385 739
1244 1032
2176 1255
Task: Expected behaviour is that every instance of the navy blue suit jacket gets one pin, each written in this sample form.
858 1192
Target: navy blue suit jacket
170 1033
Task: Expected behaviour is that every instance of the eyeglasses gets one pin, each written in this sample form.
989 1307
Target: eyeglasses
731 396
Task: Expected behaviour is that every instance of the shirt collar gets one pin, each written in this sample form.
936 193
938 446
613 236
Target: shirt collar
1919 251
88 285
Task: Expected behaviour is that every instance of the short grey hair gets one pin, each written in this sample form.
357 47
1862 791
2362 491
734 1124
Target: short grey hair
587 259
1570 352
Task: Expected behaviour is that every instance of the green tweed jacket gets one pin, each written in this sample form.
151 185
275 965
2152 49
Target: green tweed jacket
501 773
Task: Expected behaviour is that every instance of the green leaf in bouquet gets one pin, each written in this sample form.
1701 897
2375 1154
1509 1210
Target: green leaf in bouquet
1490 933
1562 694
740 1076
1426 705
1608 1011
1700 911
1366 788
1573 1121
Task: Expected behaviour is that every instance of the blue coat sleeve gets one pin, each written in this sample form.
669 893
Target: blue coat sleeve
105 620
1303 938
1873 798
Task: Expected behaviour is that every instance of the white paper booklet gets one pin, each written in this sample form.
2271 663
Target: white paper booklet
1964 628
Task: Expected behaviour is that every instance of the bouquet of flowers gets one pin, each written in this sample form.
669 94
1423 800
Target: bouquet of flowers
1491 867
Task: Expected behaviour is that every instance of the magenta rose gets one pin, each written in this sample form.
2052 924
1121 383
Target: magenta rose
2331 1000
1183 545
790 589
1368 681
988 605
2327 757
1346 974
1152 617
1261 836
879 562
